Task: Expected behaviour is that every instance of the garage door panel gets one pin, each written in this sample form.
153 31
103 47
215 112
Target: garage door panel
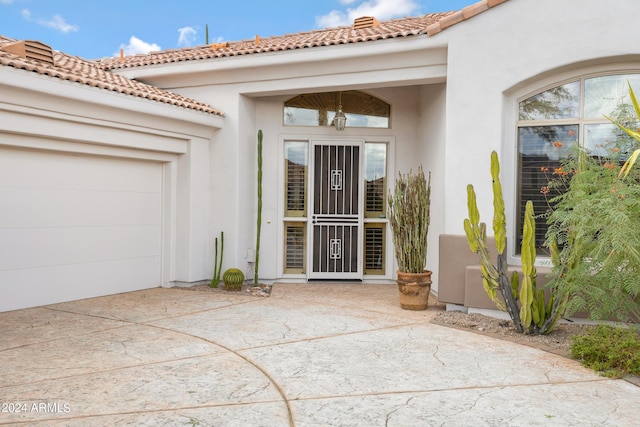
76 172
62 208
77 226
49 285
33 248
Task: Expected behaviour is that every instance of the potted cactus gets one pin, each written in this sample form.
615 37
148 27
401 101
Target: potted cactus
408 214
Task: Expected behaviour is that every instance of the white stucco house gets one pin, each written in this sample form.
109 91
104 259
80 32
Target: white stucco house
117 175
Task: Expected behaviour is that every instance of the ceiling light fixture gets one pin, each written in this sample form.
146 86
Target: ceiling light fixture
340 120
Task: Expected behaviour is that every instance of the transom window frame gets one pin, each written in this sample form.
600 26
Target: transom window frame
513 124
328 104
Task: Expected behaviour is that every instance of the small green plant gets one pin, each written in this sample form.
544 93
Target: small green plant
527 305
409 219
233 279
217 267
614 351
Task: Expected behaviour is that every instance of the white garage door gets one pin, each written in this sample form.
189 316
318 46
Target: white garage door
75 226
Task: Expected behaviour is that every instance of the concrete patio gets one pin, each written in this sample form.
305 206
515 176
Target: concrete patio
310 355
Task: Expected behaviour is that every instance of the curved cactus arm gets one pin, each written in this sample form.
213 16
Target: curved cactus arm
515 284
213 283
221 256
557 310
499 217
472 205
217 265
528 305
477 240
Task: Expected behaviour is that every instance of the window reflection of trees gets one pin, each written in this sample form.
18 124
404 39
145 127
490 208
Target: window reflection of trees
319 109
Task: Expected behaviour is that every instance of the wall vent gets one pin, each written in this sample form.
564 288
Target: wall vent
31 49
365 22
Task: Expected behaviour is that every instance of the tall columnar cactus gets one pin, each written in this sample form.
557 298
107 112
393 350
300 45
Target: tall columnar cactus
217 267
534 315
259 224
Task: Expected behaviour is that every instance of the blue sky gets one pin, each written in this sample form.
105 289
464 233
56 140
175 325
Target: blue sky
96 29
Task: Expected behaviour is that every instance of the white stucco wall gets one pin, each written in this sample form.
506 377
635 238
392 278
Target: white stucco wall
82 126
431 131
505 53
417 129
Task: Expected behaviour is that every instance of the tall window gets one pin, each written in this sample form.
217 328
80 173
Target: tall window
295 177
375 181
319 109
550 122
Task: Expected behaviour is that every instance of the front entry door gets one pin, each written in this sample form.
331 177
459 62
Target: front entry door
336 211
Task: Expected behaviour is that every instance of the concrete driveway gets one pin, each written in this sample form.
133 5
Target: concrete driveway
310 355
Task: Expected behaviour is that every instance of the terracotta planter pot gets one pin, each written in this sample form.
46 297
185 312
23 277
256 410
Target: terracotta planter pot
414 290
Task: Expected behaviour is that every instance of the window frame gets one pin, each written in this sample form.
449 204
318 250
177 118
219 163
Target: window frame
511 183
329 112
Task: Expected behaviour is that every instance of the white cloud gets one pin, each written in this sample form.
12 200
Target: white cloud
136 46
380 9
56 22
334 18
187 36
6 1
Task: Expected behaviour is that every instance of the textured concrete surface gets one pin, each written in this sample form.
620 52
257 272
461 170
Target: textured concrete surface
310 355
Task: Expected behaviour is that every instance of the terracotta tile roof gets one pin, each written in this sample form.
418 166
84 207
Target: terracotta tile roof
396 28
78 70
430 24
461 15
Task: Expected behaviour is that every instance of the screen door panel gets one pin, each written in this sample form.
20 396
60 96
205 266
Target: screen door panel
336 217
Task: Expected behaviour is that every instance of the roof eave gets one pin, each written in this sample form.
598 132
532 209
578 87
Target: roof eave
350 51
78 92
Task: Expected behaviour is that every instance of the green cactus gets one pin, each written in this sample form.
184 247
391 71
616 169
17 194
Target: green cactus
217 268
259 224
534 315
233 279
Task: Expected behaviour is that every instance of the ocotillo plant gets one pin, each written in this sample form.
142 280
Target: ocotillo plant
259 224
523 301
217 268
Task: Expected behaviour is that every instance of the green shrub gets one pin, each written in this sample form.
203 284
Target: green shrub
614 351
595 222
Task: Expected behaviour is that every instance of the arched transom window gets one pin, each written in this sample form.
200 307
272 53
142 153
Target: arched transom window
319 109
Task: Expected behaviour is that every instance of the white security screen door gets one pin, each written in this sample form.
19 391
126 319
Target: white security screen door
336 236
